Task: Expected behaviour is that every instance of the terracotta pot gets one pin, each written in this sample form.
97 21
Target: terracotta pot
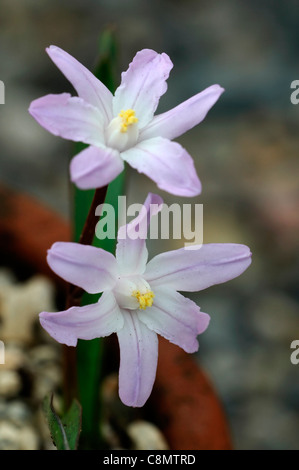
27 230
183 401
185 404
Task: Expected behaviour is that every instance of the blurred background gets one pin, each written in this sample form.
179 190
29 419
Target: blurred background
245 152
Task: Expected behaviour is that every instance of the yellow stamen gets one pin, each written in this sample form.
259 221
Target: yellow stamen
128 118
145 300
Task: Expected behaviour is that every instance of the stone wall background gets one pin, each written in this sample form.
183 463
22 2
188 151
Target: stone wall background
246 154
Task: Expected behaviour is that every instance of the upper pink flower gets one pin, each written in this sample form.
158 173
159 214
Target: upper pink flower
123 127
140 299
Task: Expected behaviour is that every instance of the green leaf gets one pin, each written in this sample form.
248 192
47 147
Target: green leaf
106 66
64 431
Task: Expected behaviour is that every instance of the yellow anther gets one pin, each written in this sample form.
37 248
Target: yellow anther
128 118
145 300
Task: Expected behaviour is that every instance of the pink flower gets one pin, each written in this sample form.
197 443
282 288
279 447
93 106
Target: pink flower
123 127
140 299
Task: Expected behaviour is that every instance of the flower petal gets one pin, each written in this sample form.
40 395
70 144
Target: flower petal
183 117
95 167
167 163
88 87
138 360
131 252
91 321
142 85
88 267
176 318
69 117
196 269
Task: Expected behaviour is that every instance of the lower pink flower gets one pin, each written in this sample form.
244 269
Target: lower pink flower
140 299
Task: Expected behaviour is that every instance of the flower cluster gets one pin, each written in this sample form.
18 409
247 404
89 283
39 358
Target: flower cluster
139 299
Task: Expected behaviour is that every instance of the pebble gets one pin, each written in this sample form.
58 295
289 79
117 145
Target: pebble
13 437
15 411
146 436
10 383
44 354
6 278
15 357
22 425
275 317
46 381
20 305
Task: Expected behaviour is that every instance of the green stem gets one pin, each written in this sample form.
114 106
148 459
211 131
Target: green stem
74 299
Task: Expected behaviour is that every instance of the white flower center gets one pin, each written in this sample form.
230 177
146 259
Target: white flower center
122 132
133 293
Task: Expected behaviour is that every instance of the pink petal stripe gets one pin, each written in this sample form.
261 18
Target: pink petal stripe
88 267
183 117
131 252
88 87
69 117
142 85
138 360
95 167
176 318
167 163
194 270
91 321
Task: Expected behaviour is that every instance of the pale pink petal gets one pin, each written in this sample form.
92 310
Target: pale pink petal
69 117
142 85
131 251
88 267
196 269
176 318
183 117
95 167
91 321
88 87
138 360
167 163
